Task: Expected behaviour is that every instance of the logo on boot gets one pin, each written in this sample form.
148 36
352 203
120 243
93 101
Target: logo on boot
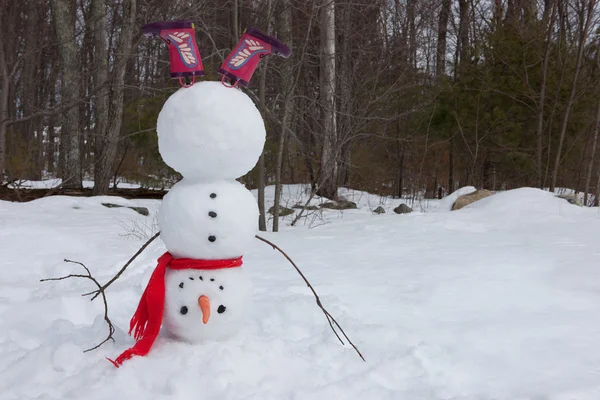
248 49
183 42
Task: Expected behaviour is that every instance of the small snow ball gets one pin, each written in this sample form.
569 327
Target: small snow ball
210 132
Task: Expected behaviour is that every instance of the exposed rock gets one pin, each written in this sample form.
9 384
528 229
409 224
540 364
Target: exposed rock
403 209
303 207
340 205
110 205
283 211
467 199
571 198
140 210
379 210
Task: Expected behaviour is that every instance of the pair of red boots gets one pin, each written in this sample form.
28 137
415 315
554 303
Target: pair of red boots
238 67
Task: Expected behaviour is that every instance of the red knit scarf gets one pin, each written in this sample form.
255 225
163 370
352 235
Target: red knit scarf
147 319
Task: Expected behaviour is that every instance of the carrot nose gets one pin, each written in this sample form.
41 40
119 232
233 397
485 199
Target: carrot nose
204 304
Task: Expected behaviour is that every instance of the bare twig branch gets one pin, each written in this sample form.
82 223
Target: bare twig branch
101 289
111 328
329 317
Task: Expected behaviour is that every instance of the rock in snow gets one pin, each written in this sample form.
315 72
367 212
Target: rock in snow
466 199
379 210
340 205
140 210
403 209
283 211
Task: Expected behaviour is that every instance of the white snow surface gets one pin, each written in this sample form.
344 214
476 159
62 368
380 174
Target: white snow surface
209 131
497 301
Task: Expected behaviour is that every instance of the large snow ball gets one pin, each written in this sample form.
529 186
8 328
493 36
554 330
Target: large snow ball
208 220
209 131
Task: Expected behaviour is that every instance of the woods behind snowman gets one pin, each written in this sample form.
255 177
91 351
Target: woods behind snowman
211 133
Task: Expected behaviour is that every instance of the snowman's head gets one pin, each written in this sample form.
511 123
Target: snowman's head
205 304
209 131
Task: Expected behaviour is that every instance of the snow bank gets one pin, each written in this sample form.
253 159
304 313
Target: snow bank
525 200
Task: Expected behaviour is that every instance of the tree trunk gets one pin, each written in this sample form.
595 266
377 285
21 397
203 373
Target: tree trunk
329 153
451 166
115 112
412 34
4 96
31 129
463 32
596 128
288 105
399 167
344 88
262 217
542 102
584 25
64 25
440 66
597 198
236 24
498 13
100 82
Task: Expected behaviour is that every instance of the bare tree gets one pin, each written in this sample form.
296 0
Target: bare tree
288 105
440 66
63 14
4 97
262 88
115 112
595 130
585 15
329 164
98 24
542 101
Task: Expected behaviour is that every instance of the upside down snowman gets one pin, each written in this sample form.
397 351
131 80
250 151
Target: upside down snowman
212 133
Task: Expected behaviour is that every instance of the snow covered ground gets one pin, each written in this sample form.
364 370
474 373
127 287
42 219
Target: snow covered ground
497 301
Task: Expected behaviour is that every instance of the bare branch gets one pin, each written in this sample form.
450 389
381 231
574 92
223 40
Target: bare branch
111 328
101 289
329 317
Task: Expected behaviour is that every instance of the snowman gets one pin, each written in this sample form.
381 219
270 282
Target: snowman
211 133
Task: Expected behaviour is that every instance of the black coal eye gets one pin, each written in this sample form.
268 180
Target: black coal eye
201 279
181 285
221 287
221 309
212 238
183 310
213 195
